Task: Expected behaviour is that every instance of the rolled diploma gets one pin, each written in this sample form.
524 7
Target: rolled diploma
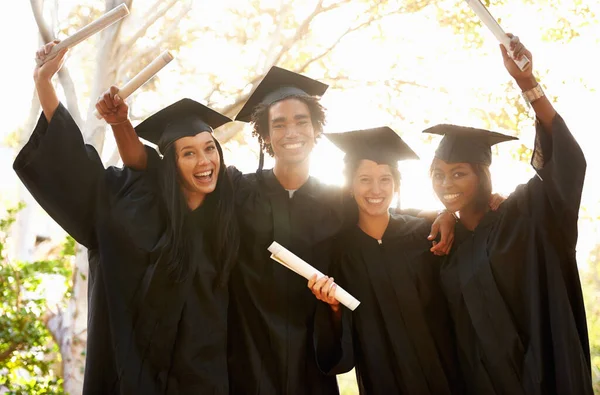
493 25
143 76
288 259
88 30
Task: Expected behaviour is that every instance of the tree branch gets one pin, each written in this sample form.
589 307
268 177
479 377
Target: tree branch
344 34
63 74
149 22
300 32
54 323
166 37
8 352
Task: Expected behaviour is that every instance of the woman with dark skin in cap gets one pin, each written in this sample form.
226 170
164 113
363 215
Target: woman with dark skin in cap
511 280
397 338
160 248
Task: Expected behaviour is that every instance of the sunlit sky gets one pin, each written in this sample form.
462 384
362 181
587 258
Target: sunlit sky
420 40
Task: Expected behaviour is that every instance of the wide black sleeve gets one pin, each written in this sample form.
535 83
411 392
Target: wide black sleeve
137 204
62 174
555 192
334 349
333 346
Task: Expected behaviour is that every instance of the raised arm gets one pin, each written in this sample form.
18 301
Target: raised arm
116 113
557 157
525 79
43 79
55 165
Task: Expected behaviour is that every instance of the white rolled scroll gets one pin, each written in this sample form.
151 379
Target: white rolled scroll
294 263
143 76
88 30
493 25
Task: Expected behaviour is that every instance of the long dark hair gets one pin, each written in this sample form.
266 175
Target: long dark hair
222 244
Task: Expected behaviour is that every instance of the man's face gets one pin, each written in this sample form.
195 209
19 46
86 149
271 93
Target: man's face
291 132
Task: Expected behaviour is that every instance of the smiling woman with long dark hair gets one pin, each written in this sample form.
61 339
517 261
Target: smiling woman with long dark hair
160 246
511 281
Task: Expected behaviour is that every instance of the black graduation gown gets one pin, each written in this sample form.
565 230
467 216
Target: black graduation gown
399 338
513 286
271 309
146 334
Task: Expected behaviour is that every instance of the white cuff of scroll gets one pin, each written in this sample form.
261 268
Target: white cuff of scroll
283 256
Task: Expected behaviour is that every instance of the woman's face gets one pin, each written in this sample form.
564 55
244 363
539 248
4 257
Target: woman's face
373 188
198 163
455 184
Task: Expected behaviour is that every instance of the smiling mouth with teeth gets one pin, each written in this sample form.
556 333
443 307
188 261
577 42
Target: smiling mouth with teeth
293 146
449 197
375 201
204 175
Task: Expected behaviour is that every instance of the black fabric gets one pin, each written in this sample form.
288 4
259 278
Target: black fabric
184 118
381 145
399 338
462 144
278 84
513 286
137 344
271 310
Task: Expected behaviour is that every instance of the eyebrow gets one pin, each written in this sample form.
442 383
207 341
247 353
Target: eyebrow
296 117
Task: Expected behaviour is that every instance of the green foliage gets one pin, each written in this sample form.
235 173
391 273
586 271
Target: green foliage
29 358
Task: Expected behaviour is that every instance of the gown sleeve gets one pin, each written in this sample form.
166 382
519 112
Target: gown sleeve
334 349
62 174
556 189
137 203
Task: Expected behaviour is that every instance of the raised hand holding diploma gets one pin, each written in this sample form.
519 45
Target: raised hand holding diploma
47 70
283 256
138 81
112 107
519 52
90 29
493 25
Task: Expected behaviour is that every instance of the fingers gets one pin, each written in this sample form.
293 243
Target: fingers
312 281
102 107
324 289
435 228
505 54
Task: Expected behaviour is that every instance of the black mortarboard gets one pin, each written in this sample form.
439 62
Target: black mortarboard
181 119
465 144
381 145
277 85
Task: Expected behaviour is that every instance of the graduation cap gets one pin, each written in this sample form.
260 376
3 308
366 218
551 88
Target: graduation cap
465 144
277 85
184 118
381 145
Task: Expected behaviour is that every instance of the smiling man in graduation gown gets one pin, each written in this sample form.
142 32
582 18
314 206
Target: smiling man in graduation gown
271 310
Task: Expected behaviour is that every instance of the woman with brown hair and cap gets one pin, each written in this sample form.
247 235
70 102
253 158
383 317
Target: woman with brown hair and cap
511 281
160 248
398 338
